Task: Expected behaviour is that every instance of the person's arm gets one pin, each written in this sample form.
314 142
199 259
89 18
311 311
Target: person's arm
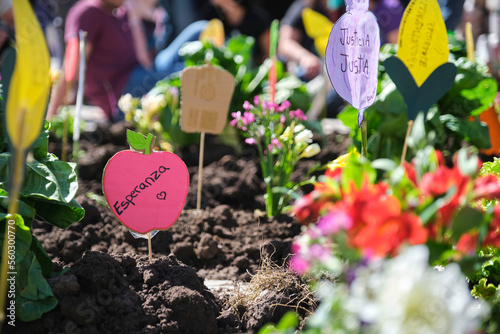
291 49
137 12
60 90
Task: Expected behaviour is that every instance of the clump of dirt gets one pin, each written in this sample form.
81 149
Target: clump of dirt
124 293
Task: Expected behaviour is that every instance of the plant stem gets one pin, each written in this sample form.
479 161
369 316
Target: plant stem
364 140
17 182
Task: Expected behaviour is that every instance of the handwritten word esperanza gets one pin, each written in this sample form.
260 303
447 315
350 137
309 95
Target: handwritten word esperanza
359 64
136 191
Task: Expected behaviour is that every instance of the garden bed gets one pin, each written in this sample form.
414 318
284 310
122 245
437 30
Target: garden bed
109 285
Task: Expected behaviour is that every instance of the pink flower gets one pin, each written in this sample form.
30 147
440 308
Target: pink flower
247 105
266 105
299 265
248 117
282 119
333 222
256 100
251 141
275 143
298 114
284 105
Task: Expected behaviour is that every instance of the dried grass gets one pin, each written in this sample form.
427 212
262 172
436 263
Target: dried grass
277 278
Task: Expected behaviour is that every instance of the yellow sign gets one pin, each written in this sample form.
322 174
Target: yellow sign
423 42
317 27
214 32
30 83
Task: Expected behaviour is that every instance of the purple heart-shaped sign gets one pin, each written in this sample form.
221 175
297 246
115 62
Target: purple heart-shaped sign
352 56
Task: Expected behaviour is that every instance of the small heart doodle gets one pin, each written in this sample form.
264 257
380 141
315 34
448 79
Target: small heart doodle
162 195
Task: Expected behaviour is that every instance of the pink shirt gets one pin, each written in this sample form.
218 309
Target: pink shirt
112 58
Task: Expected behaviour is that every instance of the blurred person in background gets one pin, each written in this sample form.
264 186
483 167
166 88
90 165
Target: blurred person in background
117 62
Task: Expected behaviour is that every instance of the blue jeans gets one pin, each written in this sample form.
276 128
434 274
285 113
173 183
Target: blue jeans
166 62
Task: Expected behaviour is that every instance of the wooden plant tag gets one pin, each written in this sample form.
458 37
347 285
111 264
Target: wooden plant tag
145 191
352 56
206 94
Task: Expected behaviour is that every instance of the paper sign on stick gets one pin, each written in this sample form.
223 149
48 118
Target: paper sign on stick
422 41
206 95
317 27
352 56
145 191
420 70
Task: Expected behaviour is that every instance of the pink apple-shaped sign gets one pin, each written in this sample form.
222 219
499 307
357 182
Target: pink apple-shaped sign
146 191
352 56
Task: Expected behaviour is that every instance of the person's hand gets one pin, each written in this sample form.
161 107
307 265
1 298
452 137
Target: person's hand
311 65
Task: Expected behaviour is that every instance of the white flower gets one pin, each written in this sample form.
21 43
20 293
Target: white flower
310 151
127 103
153 103
404 295
304 136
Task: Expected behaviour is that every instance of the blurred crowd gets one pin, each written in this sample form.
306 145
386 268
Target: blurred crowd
131 44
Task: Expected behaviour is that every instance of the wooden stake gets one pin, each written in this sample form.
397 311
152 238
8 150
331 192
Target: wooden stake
150 251
405 146
469 39
200 171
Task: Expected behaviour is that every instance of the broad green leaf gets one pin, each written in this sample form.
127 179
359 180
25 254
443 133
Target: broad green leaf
33 293
43 258
58 213
466 219
51 180
22 235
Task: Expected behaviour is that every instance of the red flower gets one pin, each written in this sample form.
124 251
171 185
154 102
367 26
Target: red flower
385 237
493 235
487 187
437 184
410 172
468 243
306 209
379 226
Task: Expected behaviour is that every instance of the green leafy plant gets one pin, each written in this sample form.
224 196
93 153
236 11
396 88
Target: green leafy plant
48 195
449 123
282 140
158 112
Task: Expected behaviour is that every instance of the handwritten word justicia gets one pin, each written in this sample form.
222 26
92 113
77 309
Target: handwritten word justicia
138 189
354 39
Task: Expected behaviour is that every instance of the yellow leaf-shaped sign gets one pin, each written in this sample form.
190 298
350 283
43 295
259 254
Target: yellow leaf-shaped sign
423 42
214 32
317 27
30 83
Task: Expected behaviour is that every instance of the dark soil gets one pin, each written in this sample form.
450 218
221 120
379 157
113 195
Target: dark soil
109 285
